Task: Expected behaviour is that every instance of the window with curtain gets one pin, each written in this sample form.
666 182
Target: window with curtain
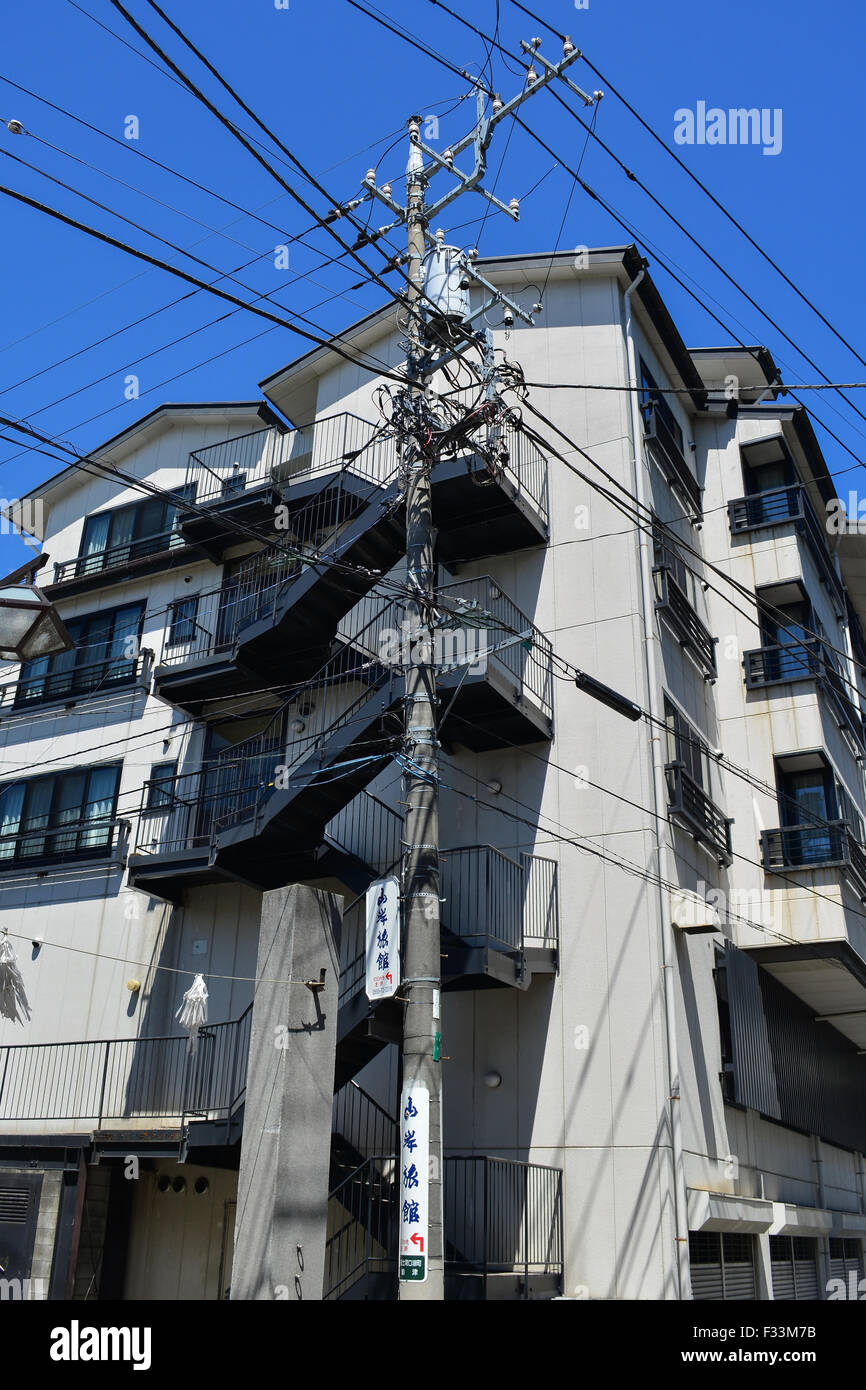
127 533
67 815
104 656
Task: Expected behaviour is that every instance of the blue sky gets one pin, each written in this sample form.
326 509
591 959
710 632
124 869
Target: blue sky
337 88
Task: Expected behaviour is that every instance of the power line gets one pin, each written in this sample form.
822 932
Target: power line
193 280
592 193
704 189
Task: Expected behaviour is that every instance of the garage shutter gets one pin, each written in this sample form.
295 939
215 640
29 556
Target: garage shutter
19 1210
795 1267
722 1266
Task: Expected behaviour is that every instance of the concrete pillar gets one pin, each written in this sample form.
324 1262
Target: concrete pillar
285 1149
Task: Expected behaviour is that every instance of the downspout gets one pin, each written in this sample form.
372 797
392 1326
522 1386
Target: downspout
668 949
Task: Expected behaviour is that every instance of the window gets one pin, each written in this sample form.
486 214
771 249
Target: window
68 815
767 465
160 786
127 533
105 655
182 621
233 485
684 745
652 398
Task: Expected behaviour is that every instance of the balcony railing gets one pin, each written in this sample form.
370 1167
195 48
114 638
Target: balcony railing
94 678
127 1078
476 618
779 506
267 458
489 899
667 453
674 605
502 1217
254 593
118 556
829 844
65 842
690 804
799 661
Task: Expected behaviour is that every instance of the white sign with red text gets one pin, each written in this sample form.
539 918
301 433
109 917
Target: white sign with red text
414 1171
383 938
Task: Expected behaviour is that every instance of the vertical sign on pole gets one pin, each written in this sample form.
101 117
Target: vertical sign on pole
414 1172
383 938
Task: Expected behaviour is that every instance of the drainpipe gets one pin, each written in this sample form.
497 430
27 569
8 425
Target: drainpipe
668 949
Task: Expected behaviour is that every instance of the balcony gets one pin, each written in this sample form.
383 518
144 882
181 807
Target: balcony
678 612
118 1085
144 555
499 924
494 677
503 1230
828 845
691 807
244 480
60 843
667 453
78 683
783 506
812 660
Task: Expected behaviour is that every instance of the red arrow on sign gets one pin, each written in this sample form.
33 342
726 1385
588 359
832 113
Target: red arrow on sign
419 1241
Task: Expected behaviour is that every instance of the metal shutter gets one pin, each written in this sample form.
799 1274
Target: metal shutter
806 1267
19 1211
705 1257
845 1258
795 1267
722 1266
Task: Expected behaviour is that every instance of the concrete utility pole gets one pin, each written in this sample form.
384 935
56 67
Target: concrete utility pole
421 955
420 1164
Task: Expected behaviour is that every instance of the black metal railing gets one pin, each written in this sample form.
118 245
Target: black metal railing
58 842
361 1125
478 622
689 803
830 844
781 505
502 1217
118 555
362 1225
490 899
811 660
368 829
265 458
127 1078
93 678
690 631
666 451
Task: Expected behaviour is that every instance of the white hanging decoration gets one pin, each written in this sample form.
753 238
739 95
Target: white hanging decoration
13 997
193 1011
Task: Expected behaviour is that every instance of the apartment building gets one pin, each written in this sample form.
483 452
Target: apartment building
654 962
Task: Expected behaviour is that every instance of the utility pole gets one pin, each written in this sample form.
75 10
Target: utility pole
422 1075
430 331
